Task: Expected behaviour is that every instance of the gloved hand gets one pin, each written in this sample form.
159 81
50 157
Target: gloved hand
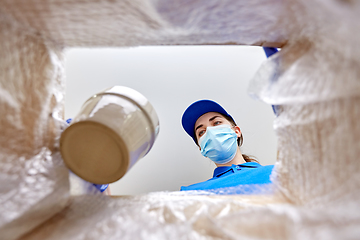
68 121
269 51
101 187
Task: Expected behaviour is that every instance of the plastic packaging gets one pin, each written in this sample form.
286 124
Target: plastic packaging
315 86
313 81
33 178
179 215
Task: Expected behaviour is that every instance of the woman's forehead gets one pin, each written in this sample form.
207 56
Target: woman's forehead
205 118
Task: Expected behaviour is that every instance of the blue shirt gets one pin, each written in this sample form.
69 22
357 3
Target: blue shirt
242 174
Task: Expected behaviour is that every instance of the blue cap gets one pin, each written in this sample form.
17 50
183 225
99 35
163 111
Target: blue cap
196 110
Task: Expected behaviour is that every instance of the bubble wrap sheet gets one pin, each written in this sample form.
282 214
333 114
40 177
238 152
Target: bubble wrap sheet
313 81
162 215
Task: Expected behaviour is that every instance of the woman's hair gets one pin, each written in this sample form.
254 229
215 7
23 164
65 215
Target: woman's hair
240 140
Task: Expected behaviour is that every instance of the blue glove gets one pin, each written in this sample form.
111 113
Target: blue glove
101 187
269 51
68 121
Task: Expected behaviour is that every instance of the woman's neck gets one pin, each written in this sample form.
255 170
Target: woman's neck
238 159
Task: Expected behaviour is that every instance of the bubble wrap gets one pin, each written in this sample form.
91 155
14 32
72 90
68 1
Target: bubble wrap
34 182
145 22
313 81
315 84
178 215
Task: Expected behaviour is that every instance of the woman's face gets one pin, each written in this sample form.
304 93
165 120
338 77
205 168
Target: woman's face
212 119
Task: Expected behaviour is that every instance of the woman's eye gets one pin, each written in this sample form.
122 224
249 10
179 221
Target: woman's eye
217 123
201 133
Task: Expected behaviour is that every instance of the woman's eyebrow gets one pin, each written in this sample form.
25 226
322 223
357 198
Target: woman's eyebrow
213 118
198 127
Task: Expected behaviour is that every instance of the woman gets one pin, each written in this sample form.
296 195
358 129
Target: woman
219 138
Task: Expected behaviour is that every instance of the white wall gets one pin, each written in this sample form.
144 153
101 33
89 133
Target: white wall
172 78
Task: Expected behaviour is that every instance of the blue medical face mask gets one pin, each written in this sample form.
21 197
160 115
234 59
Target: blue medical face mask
219 143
